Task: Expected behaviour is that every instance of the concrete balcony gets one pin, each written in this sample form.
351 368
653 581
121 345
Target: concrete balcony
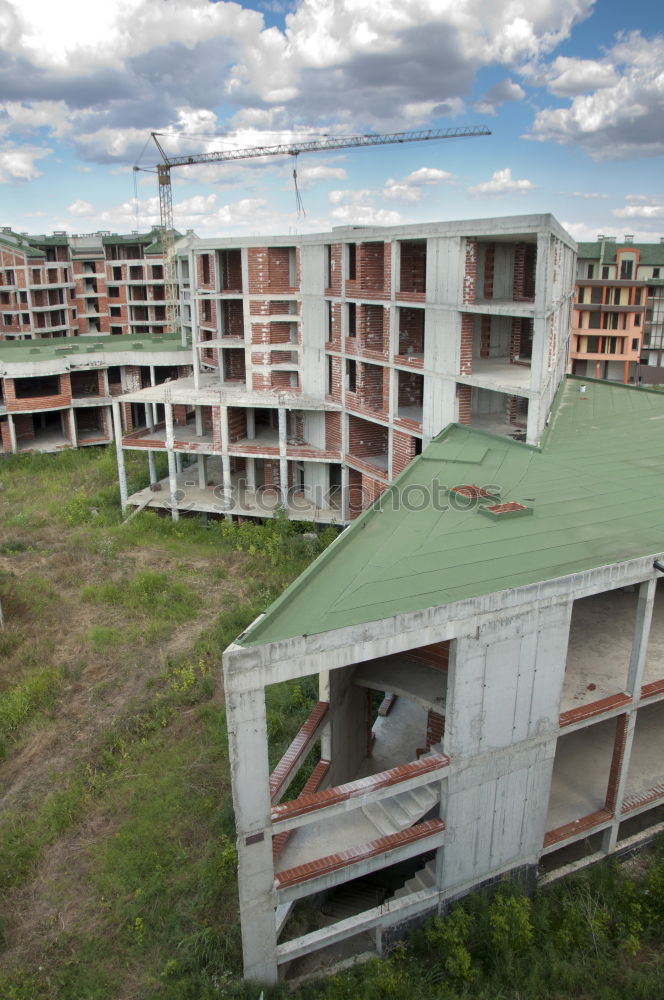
500 375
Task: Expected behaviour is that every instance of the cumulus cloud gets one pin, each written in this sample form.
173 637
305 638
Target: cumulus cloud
502 182
140 65
502 92
18 163
81 207
623 116
410 188
364 215
641 207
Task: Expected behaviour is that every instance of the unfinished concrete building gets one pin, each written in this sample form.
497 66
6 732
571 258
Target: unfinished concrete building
506 603
323 364
57 394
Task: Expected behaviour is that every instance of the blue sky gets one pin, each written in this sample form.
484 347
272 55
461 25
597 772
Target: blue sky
573 91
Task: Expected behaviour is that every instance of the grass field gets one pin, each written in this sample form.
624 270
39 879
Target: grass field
117 857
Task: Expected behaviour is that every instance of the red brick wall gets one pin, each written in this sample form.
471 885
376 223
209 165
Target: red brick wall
411 389
24 427
234 366
230 266
180 414
470 272
201 268
525 258
412 277
411 331
237 423
335 268
63 398
336 378
355 498
464 399
370 386
334 334
371 327
403 451
333 431
365 438
435 728
371 260
232 315
467 328
489 264
216 428
269 270
5 437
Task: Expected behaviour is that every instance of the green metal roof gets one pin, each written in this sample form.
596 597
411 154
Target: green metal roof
596 487
649 253
52 349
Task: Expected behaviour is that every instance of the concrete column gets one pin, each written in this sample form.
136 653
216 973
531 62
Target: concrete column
172 470
153 406
344 493
202 471
198 417
283 461
251 473
149 416
251 423
122 475
152 466
12 433
225 457
247 738
637 660
178 462
73 436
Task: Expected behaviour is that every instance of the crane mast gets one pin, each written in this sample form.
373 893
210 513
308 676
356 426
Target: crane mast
252 152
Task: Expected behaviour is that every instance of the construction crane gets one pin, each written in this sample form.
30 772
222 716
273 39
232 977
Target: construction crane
252 152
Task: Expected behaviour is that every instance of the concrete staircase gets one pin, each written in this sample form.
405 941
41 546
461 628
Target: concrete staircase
402 810
425 878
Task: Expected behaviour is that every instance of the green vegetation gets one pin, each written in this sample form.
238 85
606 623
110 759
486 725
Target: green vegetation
117 856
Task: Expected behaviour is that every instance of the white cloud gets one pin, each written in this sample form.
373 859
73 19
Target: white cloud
502 182
310 174
569 77
336 197
499 94
364 215
410 188
624 115
81 208
18 163
590 195
641 207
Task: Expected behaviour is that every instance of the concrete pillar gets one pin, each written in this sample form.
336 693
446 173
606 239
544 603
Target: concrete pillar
153 406
247 738
251 423
637 660
152 466
283 461
345 513
172 471
202 471
198 418
225 457
12 433
73 436
122 475
178 462
149 416
251 473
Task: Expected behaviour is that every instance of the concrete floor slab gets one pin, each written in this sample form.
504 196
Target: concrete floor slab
600 644
580 773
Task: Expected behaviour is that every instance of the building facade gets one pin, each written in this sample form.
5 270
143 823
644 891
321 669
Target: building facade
618 324
513 628
323 364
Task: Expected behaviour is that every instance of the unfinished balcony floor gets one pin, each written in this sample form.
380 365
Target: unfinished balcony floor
50 440
580 773
182 433
599 648
398 736
245 503
413 413
499 375
497 423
